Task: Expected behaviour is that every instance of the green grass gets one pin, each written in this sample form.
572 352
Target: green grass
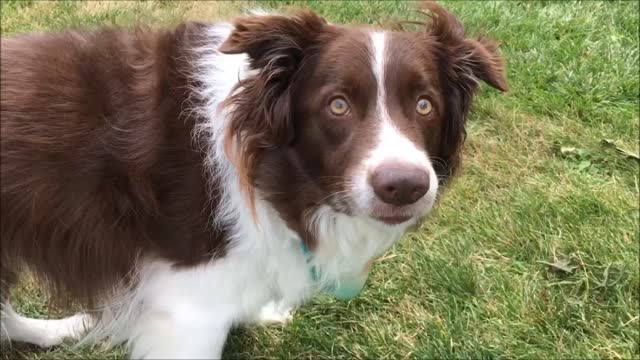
537 187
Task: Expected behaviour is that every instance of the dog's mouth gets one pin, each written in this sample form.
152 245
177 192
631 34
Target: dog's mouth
392 215
397 215
392 219
378 211
384 213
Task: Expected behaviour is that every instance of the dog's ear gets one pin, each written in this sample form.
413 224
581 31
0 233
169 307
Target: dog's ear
469 60
464 63
274 41
261 117
276 45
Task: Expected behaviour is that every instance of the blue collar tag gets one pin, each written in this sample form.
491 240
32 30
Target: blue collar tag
347 289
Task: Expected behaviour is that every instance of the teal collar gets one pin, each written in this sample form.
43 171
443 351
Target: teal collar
344 291
307 257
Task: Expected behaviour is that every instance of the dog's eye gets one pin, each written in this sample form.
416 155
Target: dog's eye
423 107
338 106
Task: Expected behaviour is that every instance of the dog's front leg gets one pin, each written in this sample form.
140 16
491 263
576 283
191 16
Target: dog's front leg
179 335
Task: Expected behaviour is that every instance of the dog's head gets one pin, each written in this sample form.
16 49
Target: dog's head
365 121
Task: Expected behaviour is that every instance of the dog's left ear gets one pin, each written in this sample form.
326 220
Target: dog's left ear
482 59
469 59
274 41
465 62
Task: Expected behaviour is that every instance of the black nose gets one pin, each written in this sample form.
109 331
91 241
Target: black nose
399 184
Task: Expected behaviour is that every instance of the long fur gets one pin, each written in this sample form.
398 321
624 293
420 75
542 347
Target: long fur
167 181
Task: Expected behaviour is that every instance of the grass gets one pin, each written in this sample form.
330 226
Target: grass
533 252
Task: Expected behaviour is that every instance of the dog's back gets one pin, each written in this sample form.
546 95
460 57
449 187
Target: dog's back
55 175
87 118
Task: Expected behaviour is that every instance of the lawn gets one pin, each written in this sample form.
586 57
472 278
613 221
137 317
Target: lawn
533 251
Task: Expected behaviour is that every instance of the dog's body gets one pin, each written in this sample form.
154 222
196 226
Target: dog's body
185 181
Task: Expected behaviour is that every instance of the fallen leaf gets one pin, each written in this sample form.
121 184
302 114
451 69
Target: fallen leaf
625 152
561 265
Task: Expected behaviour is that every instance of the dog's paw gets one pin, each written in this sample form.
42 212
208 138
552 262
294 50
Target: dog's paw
275 313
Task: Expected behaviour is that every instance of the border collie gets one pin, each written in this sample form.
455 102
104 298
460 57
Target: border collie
177 183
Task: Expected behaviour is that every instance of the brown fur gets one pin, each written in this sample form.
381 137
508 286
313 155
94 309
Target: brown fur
99 167
98 164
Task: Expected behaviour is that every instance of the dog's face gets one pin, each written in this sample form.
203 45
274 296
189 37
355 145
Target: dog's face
362 120
368 120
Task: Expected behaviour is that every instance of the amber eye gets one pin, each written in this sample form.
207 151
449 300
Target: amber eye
338 106
424 107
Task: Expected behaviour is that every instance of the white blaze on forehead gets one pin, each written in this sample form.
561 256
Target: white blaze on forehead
391 143
378 40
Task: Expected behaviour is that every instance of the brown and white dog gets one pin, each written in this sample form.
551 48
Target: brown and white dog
176 183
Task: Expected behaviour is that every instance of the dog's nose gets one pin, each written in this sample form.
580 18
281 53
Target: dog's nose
399 183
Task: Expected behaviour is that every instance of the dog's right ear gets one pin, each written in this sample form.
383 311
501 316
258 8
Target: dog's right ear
261 117
275 45
274 42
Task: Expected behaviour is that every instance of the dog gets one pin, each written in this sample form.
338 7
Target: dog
176 183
